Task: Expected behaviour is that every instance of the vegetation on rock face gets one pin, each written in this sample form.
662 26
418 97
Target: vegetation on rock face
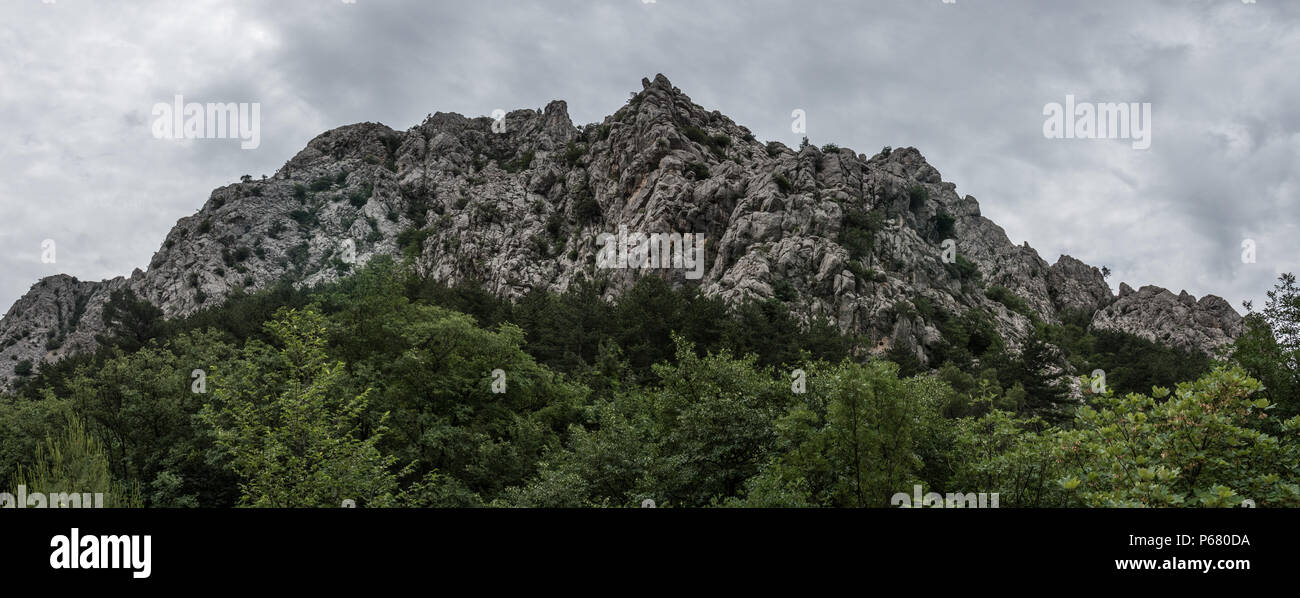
389 389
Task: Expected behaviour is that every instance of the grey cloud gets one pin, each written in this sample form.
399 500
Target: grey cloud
965 83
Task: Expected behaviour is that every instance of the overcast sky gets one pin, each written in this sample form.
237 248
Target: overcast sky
966 83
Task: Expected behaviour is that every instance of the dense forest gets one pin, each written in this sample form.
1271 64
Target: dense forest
391 390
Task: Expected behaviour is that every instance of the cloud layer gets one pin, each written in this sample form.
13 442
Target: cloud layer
965 83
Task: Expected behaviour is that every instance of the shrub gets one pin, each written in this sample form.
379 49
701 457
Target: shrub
858 231
585 209
1009 299
716 143
23 368
916 197
572 155
303 217
964 269
298 255
699 170
521 164
411 241
782 183
945 225
783 290
360 197
696 134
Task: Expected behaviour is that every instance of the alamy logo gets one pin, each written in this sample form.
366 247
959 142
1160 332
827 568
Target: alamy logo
75 551
969 500
53 500
1085 120
654 250
179 120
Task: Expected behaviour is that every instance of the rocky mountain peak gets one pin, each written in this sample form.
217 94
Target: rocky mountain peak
518 203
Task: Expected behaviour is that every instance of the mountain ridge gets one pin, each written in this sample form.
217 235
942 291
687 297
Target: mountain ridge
853 238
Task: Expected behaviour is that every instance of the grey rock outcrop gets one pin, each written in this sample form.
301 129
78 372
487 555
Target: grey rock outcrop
1076 286
1179 321
519 204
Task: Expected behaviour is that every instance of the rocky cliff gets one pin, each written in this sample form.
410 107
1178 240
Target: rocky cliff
1176 320
520 203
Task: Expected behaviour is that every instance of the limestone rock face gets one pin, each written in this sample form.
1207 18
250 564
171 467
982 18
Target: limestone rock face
1074 285
520 203
1179 321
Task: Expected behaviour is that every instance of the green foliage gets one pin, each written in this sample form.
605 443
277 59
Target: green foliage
411 241
713 420
304 217
362 196
293 430
586 210
964 270
1039 370
852 441
321 184
906 359
232 257
916 197
382 388
859 229
572 155
698 170
864 273
520 164
717 144
1016 458
945 225
695 134
1131 363
23 368
1010 300
1269 349
783 290
1202 444
129 322
782 183
143 405
968 338
72 467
